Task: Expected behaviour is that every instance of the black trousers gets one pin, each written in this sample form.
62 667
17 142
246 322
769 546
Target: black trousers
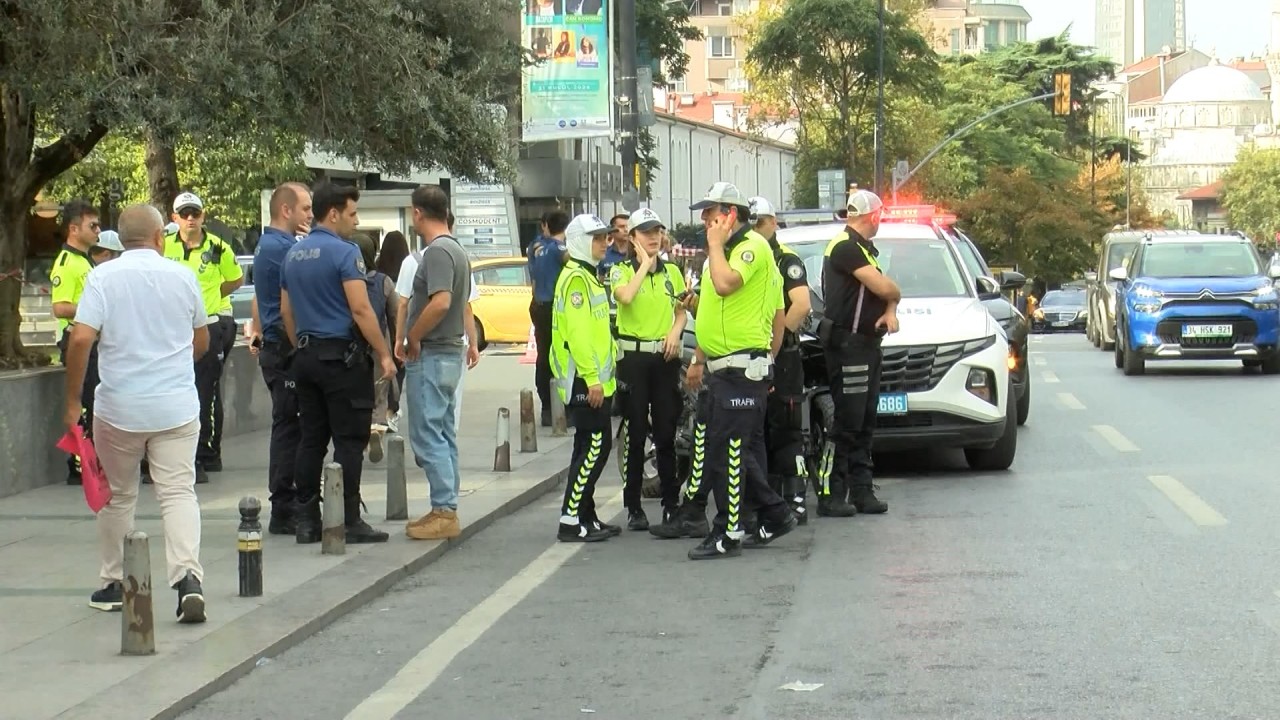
91 381
592 443
276 363
653 392
783 430
540 316
853 369
335 402
736 460
697 491
222 337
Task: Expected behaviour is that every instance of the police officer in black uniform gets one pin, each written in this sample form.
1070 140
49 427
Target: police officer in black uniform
788 470
324 302
860 309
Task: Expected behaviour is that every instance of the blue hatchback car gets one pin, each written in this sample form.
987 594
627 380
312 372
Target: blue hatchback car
1197 297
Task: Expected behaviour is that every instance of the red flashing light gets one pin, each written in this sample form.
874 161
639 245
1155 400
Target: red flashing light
917 214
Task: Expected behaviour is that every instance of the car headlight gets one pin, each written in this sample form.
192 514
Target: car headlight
1266 298
1143 291
976 346
1146 307
982 384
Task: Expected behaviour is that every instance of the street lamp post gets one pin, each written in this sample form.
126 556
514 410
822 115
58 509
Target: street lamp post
1128 190
879 185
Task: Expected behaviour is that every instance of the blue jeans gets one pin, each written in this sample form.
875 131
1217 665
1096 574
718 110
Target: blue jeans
431 394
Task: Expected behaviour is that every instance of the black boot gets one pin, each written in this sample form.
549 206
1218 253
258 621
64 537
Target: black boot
284 519
310 524
716 546
359 532
767 532
863 497
637 520
690 520
834 504
795 496
597 523
581 532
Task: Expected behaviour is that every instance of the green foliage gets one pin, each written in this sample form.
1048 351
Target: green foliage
1252 193
662 29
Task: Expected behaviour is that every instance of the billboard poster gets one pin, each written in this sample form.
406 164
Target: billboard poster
567 94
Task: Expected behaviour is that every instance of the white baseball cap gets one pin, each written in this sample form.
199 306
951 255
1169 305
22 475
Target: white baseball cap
760 207
585 225
644 219
110 240
722 193
187 200
862 202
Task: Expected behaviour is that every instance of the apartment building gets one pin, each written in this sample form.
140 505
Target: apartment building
972 27
1128 31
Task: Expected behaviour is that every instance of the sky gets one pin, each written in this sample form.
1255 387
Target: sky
1242 32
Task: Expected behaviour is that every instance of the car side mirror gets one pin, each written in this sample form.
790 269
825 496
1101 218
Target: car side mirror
1011 280
988 288
1119 274
1090 276
1273 272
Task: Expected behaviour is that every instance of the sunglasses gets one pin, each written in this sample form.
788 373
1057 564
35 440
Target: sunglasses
188 213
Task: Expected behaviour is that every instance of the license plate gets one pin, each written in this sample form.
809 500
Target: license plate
1062 323
1206 331
892 404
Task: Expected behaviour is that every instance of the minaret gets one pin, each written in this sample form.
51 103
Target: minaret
1273 61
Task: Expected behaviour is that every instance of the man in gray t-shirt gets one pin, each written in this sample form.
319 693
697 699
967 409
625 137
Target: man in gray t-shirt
434 369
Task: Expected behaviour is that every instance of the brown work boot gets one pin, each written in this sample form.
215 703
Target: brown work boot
443 526
420 521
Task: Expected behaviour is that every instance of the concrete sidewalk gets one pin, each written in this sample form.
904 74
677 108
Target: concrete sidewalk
60 658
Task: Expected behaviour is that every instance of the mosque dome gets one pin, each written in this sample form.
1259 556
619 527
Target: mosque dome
1213 84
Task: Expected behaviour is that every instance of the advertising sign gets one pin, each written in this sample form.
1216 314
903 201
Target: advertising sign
567 94
484 219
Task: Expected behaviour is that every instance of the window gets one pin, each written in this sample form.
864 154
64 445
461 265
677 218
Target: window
1118 254
503 276
922 268
721 46
955 42
1199 259
680 85
724 8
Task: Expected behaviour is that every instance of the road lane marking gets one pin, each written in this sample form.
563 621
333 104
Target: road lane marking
1038 360
1198 510
1070 402
1116 440
1050 376
424 668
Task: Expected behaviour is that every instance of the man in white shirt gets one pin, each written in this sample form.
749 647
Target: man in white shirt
148 317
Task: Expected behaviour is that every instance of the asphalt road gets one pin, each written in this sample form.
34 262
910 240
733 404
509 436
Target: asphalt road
1127 567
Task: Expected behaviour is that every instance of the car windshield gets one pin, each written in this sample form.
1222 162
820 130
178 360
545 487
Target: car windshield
1059 298
1118 253
1199 259
921 267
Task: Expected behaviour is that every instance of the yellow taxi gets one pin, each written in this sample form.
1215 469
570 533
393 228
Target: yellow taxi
502 310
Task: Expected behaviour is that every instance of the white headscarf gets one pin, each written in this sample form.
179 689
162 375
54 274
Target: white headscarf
579 234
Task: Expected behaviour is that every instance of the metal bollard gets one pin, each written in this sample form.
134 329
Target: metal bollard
559 427
528 425
249 547
333 538
137 622
397 493
502 453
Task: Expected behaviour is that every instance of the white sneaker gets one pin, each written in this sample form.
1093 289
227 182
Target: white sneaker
392 421
375 443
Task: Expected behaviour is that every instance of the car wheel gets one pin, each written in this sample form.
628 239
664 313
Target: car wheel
1024 402
481 342
1134 363
1251 363
1118 352
999 456
1271 365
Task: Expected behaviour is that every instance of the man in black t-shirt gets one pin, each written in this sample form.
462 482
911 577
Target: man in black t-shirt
860 309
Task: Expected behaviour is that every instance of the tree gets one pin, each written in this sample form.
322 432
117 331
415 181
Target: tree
662 29
1251 193
72 70
820 58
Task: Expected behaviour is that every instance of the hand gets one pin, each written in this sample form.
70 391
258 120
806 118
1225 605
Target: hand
255 343
719 230
399 350
473 356
413 350
690 302
388 367
888 322
672 346
71 418
693 378
595 395
647 262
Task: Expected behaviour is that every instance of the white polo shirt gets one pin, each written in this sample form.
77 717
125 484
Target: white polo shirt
404 286
145 309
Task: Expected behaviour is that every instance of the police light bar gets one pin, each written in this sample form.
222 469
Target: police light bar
917 214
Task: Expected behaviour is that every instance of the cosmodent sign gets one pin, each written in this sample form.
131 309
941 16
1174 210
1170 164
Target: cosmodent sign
566 94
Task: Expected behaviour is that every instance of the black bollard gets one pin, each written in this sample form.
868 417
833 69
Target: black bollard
249 543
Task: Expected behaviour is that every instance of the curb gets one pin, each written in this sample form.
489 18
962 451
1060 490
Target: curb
373 573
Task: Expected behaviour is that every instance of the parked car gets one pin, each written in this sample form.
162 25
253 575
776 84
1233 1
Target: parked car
1061 310
502 310
242 297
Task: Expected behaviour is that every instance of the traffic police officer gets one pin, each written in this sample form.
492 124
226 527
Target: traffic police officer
324 302
546 257
67 276
290 207
215 266
651 321
784 435
583 358
860 308
739 328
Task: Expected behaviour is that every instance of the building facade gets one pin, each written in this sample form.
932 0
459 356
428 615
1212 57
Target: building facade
1128 31
973 27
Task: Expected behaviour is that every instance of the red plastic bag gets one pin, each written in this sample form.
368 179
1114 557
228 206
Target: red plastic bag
97 492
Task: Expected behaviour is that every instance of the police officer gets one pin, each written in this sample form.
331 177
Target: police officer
651 321
788 470
860 309
290 207
324 302
547 256
80 227
739 328
583 355
215 266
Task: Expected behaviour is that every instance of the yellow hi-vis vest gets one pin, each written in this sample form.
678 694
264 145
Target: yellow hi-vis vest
582 344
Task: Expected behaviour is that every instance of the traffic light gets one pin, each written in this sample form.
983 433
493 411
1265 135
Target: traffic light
1062 94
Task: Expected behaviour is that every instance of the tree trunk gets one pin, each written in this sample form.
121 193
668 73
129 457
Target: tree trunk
13 253
162 172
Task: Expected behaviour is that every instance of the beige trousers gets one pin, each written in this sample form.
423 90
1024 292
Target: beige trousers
172 456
